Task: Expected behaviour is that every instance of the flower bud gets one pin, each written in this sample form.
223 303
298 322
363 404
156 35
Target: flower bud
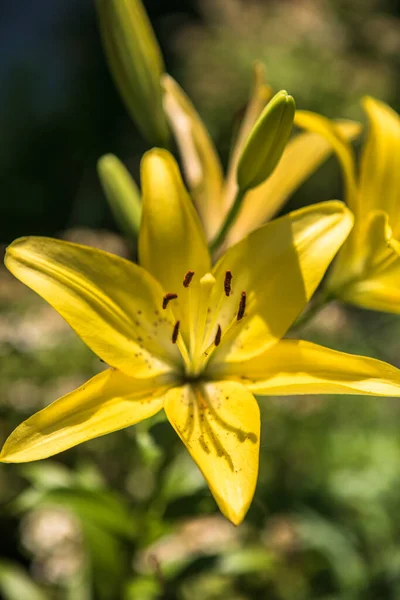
266 141
122 194
136 64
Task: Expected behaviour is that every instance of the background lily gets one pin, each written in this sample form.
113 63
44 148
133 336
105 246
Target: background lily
154 100
367 269
195 339
213 193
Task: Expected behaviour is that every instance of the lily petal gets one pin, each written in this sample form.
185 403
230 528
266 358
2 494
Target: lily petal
395 245
379 291
200 160
219 423
299 367
380 162
111 303
279 266
302 156
107 402
171 240
369 276
320 125
371 253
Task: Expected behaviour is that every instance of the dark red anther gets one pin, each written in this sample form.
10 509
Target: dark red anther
188 278
228 283
217 340
167 298
242 307
175 332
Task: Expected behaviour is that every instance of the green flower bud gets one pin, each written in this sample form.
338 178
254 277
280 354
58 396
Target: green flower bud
266 141
136 64
122 194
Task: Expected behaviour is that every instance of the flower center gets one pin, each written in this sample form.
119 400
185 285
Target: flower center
204 313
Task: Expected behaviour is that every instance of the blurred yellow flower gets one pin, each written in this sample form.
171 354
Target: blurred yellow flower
367 269
215 195
195 339
259 179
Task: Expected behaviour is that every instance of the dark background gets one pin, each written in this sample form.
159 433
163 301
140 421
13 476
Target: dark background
59 111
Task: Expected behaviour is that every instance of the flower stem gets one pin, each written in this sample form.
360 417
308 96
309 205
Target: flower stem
230 219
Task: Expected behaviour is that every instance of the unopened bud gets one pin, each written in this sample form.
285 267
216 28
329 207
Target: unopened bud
121 192
136 64
266 141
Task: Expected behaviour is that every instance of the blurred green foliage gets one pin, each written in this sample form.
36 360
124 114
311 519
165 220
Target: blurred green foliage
128 516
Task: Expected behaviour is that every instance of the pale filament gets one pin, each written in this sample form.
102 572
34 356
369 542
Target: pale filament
198 295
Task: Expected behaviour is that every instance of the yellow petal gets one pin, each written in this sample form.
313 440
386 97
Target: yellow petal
369 274
201 164
107 402
395 245
366 258
380 163
298 367
112 304
171 239
302 156
378 291
279 267
378 235
219 423
260 94
320 125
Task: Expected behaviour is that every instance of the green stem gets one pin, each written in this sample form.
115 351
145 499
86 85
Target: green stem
319 303
230 219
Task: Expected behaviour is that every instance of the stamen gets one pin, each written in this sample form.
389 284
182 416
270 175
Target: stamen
175 332
217 340
242 307
228 283
188 278
167 298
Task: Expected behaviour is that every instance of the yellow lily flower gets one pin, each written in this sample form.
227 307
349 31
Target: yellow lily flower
193 339
367 270
213 194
